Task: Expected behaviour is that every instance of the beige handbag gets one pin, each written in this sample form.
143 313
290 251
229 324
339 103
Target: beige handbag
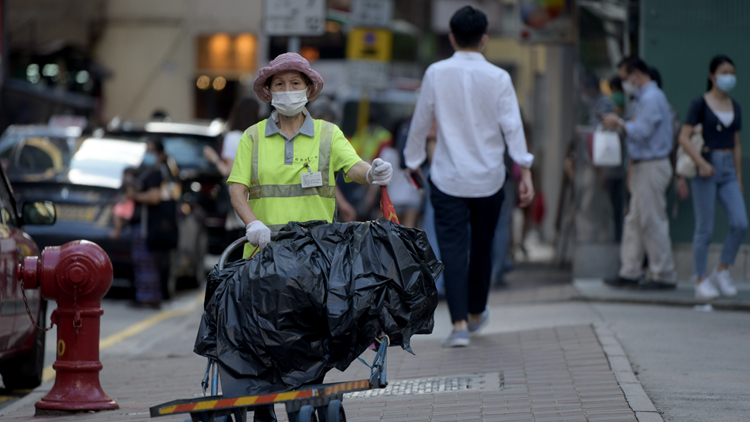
685 165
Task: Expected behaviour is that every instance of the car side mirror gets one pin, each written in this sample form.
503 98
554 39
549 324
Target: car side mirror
39 213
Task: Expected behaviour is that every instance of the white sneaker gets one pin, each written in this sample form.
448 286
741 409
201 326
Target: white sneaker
706 290
723 281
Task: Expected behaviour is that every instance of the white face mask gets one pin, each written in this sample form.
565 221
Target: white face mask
629 88
289 103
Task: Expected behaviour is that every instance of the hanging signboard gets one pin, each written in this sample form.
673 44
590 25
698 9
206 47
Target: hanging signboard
298 18
371 13
369 44
368 74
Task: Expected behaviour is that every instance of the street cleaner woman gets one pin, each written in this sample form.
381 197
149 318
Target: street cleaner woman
285 165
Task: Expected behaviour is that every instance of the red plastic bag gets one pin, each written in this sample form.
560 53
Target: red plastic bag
387 206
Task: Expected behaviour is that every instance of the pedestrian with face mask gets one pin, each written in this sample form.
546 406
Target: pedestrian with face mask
618 95
286 165
147 195
649 138
719 177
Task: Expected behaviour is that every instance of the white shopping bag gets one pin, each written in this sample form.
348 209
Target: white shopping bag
606 150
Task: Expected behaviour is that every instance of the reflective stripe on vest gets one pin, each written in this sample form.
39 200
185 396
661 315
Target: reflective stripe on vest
258 191
277 204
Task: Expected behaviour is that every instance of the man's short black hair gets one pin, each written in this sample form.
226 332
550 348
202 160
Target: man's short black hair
468 25
634 63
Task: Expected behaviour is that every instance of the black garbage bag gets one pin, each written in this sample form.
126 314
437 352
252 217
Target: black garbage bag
314 300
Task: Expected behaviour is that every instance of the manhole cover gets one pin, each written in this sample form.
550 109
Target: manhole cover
487 382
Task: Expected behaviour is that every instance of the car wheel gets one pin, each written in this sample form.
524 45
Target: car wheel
25 372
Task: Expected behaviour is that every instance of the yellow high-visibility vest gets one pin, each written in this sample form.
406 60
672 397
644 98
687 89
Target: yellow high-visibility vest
276 193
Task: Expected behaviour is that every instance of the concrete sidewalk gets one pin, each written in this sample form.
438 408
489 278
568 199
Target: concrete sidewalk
594 289
557 372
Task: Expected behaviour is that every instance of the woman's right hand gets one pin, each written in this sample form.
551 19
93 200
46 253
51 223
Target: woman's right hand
705 169
258 234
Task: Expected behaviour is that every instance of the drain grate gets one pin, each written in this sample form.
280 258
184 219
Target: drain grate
487 382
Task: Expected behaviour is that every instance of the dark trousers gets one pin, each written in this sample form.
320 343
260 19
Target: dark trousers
467 258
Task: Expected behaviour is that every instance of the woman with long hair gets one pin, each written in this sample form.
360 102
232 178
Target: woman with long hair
719 177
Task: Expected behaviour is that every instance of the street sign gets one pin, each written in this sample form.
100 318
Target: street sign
369 44
295 18
368 74
371 13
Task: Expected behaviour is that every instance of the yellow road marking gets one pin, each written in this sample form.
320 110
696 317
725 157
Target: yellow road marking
48 373
139 327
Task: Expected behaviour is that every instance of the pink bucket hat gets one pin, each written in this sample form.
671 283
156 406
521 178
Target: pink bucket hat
284 62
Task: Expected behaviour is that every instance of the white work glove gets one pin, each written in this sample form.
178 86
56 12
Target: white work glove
258 234
380 173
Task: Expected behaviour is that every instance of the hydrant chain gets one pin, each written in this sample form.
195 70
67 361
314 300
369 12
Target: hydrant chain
28 311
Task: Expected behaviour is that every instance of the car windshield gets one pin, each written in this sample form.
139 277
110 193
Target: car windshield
187 151
37 154
101 162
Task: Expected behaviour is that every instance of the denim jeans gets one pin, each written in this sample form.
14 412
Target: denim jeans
724 187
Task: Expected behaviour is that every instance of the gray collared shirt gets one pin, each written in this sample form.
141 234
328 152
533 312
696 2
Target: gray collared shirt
307 129
651 134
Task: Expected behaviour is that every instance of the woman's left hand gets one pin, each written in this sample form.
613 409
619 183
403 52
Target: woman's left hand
381 172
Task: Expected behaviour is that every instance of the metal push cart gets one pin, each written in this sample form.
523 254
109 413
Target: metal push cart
314 403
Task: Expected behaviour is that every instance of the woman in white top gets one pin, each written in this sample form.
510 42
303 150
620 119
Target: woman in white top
720 177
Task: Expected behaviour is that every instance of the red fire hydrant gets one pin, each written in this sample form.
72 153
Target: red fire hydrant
76 275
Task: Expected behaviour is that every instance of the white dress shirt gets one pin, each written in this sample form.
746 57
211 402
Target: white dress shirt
474 104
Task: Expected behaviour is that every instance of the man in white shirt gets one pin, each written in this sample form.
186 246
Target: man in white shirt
477 115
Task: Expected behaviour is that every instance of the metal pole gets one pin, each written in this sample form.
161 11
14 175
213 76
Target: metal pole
293 45
214 379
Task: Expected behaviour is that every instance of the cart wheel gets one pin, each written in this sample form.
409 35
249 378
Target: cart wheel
307 414
336 411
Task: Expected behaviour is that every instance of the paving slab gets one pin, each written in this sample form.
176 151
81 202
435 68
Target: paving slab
573 372
550 382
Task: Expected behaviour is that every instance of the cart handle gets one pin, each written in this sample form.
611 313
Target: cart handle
385 205
233 247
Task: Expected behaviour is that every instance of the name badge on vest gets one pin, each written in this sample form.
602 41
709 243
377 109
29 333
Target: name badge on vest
312 179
